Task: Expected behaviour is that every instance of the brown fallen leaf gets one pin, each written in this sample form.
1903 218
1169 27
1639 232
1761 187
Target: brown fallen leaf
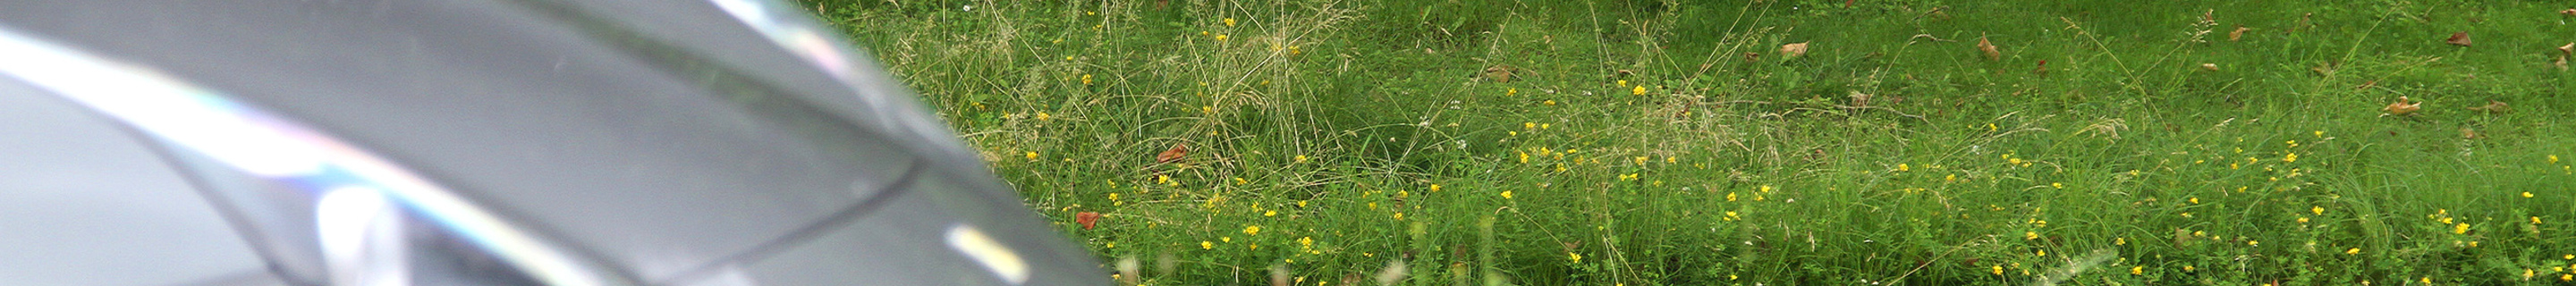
2459 38
2042 70
1087 219
2209 66
2569 49
2569 12
1989 49
1174 155
2238 34
1752 57
2367 85
1499 73
2403 107
2466 133
1793 50
2492 107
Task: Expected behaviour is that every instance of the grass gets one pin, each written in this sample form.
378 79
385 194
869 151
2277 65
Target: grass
1675 143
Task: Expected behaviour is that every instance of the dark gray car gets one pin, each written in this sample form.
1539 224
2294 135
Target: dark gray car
466 142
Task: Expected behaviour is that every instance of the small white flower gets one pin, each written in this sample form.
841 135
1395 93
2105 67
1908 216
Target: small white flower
969 8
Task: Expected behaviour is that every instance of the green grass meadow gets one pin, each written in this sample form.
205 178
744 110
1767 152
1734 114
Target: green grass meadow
1636 142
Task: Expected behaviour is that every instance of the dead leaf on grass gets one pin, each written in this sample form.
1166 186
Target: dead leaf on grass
2403 107
1989 49
2238 34
1499 73
1793 50
1177 152
2459 38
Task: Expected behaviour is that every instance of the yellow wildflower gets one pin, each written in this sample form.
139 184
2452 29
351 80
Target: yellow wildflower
2057 185
1301 159
1229 22
2291 157
1640 90
1730 196
1999 269
1511 91
1575 257
1042 116
1301 203
2137 270
1435 187
1399 216
1206 245
2188 268
2320 210
1901 167
2535 220
2355 250
1252 230
1507 195
2526 194
2029 235
1529 125
1623 83
1220 37
2195 200
2321 134
1269 213
1641 160
2462 228
1033 156
2303 220
1225 239
2120 241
